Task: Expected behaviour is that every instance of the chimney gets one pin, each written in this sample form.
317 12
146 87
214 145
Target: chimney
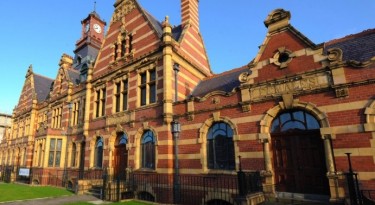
189 13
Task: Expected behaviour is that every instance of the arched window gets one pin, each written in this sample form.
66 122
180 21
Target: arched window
123 139
74 152
99 153
294 120
148 150
40 155
24 158
220 147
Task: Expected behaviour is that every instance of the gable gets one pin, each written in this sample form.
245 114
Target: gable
60 84
35 89
27 95
130 26
285 51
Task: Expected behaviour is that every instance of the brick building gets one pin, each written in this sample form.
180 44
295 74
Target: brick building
292 113
5 123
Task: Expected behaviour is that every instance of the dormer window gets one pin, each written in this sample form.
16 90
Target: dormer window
79 60
83 73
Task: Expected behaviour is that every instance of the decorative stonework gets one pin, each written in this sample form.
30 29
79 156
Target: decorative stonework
342 92
370 118
290 85
123 8
118 119
277 19
282 57
334 55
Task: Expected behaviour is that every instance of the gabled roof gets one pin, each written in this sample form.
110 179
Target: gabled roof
225 82
359 47
157 25
42 87
74 76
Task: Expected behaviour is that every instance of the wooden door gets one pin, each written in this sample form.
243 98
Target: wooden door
120 161
299 162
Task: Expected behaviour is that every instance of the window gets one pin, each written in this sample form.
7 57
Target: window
54 156
121 96
83 73
56 117
123 47
125 94
147 87
294 120
100 102
220 147
148 150
126 45
74 153
40 154
75 113
118 96
24 157
99 153
27 126
116 48
122 140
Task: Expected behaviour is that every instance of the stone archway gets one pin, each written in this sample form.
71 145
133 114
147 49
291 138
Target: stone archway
265 138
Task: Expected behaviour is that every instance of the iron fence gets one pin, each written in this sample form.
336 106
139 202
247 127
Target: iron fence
368 197
192 189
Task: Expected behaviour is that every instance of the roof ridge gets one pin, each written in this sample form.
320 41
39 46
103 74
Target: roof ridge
225 73
351 36
43 76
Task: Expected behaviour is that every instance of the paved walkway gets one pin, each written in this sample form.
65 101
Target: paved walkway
58 200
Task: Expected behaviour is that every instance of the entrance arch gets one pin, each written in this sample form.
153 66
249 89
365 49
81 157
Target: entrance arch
298 153
325 134
120 155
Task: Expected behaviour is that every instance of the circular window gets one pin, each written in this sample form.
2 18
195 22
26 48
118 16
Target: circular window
283 57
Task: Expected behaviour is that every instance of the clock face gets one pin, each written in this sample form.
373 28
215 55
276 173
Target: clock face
97 28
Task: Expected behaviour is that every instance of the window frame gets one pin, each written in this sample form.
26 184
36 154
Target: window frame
225 142
54 152
98 153
147 87
148 150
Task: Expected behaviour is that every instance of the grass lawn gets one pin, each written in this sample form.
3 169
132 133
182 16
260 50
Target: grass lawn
117 203
12 192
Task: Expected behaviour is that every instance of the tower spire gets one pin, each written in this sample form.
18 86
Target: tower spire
94 6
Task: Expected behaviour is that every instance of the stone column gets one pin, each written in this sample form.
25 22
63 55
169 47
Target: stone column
268 187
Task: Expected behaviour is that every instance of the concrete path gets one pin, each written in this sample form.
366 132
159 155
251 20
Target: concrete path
58 200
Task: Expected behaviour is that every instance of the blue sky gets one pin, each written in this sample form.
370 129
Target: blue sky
39 32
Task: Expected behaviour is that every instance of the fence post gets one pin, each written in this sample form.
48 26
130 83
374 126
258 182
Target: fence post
352 180
118 188
241 177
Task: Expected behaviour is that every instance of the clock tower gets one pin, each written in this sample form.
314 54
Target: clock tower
87 47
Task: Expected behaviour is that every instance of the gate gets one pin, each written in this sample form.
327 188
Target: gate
7 174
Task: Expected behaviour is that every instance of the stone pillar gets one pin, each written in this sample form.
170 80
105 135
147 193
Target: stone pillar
268 187
78 154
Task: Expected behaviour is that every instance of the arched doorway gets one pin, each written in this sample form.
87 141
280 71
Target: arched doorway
121 156
298 154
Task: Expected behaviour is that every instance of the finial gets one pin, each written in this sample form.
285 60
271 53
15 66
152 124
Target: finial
94 6
166 19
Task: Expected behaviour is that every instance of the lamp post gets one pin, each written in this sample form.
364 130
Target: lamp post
176 129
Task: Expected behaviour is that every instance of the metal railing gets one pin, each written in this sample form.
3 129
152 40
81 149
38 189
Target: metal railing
193 189
368 197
